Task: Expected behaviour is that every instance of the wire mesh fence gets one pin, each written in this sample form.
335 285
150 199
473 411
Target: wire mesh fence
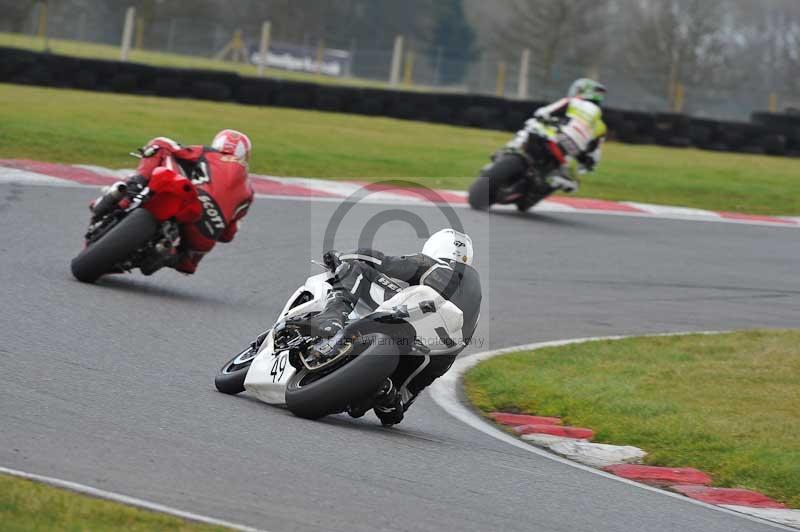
202 42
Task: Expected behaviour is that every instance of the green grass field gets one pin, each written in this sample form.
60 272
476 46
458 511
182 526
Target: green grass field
149 57
27 506
60 125
726 404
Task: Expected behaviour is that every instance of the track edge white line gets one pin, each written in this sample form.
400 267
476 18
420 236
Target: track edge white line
126 499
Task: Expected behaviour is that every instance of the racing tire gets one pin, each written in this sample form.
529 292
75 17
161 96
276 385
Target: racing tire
230 379
312 397
483 192
101 257
528 203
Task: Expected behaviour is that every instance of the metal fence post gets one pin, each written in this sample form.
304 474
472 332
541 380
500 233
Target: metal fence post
127 33
500 87
171 35
42 31
353 44
139 33
524 65
408 71
81 33
437 71
263 50
397 60
679 97
320 56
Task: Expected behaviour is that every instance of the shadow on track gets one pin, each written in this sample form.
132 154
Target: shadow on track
557 221
368 424
137 287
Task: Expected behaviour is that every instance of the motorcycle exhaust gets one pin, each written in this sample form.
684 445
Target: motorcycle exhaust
108 201
163 247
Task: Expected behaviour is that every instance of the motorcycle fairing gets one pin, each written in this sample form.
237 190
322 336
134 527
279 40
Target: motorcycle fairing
270 371
437 322
173 196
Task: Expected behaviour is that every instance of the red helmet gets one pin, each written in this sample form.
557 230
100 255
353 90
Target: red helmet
232 142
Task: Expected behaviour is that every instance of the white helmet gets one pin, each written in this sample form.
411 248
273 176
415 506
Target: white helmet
449 244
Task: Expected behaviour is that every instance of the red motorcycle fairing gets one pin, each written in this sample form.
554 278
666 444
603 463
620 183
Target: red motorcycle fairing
173 196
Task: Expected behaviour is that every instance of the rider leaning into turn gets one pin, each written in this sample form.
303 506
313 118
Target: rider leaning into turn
444 265
579 131
225 194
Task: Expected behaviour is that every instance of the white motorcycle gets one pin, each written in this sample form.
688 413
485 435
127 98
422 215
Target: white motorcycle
281 369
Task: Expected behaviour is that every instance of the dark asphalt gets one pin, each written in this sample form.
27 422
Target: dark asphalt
112 385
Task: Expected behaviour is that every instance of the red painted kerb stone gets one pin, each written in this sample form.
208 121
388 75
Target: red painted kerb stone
660 475
523 419
738 497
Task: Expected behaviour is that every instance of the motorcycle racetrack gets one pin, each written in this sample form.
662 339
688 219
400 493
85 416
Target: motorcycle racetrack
111 385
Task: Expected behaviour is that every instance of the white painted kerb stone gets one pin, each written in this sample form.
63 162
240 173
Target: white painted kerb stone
598 454
592 454
546 440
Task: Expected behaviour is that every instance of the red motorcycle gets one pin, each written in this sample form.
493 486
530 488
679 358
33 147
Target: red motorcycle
140 230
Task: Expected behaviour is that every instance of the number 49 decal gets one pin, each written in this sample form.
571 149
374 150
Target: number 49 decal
278 367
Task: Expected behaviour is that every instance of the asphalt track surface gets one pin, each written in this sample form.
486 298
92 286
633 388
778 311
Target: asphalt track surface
111 385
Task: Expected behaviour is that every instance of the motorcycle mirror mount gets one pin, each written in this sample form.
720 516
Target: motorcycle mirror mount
323 266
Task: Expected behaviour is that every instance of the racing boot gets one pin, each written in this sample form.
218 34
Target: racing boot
188 262
330 321
388 404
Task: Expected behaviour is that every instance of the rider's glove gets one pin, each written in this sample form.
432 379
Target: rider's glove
331 260
149 151
136 184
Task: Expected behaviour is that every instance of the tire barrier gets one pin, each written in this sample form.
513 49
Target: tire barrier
766 133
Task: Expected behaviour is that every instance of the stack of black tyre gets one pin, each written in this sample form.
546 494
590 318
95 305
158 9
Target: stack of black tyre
767 133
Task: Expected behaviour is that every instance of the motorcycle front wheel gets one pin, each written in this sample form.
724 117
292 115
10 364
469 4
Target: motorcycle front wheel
114 247
230 379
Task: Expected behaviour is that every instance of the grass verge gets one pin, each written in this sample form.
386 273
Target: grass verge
31 506
70 126
726 404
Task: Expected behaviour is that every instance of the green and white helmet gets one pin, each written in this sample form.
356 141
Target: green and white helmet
589 90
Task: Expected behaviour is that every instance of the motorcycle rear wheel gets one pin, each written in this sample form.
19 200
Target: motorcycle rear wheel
483 192
114 247
310 396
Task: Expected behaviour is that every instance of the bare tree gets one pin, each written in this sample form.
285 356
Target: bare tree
15 14
680 41
772 55
566 31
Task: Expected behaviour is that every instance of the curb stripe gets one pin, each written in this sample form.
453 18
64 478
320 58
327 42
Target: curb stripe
445 392
61 171
330 190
